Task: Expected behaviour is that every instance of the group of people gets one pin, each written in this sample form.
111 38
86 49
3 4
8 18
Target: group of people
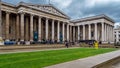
95 44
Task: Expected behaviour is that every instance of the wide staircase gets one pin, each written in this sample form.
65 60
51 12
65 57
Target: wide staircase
7 48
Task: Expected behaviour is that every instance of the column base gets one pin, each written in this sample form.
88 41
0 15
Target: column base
58 41
39 40
104 42
52 41
27 42
18 43
22 40
31 40
7 40
111 42
1 41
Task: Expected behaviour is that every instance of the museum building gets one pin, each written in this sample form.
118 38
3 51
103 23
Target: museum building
33 22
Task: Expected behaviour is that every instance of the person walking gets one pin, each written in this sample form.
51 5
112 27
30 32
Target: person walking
66 44
96 44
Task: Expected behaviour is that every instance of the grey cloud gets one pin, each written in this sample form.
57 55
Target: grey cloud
78 9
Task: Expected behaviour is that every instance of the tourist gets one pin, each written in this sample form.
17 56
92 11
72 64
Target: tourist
66 44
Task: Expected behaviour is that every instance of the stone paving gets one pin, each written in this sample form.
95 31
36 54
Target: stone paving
30 50
116 65
88 62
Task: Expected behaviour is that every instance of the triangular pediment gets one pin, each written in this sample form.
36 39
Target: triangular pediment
49 9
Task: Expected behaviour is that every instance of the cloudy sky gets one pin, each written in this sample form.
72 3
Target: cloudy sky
82 8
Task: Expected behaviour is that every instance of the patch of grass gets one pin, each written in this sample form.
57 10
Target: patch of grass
45 58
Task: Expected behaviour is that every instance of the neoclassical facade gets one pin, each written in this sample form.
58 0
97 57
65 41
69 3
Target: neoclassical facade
117 34
100 28
28 22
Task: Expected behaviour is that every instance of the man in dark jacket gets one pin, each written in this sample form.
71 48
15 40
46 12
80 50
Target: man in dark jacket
66 44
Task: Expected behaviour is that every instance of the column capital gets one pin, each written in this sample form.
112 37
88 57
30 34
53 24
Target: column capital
68 24
40 16
53 20
47 19
21 12
95 23
63 23
102 22
89 24
7 12
32 15
83 24
58 21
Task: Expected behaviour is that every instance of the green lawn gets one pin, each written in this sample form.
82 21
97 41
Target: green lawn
45 58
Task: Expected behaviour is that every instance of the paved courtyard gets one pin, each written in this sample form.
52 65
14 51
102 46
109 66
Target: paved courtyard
90 61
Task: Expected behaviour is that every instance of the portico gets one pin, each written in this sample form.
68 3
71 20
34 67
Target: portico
31 22
100 29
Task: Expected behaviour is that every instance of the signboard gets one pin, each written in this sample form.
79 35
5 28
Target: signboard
35 36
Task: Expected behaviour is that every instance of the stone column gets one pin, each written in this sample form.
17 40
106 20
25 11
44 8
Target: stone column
113 34
103 38
22 26
108 34
73 33
63 27
17 28
89 26
7 25
78 32
83 32
39 29
26 29
117 37
105 33
31 27
96 31
58 31
1 23
46 29
53 30
68 32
